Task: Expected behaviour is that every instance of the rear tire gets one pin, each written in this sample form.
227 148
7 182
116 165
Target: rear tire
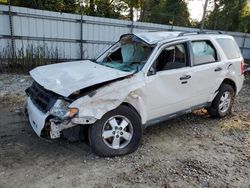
119 132
223 102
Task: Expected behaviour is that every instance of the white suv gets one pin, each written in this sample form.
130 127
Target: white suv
139 81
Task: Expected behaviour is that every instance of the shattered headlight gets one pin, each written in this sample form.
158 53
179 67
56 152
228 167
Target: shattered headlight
61 109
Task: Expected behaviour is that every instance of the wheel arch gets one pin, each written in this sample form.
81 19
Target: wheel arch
231 83
132 107
136 103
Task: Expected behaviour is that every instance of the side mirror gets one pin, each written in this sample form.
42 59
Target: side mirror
151 71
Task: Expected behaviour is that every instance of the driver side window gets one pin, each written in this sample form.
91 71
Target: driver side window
172 57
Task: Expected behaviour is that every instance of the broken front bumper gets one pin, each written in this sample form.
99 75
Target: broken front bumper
37 118
43 125
46 126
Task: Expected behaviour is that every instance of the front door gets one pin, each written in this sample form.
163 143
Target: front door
169 89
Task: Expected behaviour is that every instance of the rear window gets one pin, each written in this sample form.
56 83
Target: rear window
229 47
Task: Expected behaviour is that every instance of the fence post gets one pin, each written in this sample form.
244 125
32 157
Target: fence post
132 19
11 31
132 26
81 45
172 27
243 43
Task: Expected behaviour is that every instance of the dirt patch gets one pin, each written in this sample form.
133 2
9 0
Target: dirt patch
12 89
191 151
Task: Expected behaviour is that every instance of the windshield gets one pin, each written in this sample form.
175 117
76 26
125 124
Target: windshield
130 55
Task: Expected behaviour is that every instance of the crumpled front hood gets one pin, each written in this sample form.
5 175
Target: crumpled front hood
66 78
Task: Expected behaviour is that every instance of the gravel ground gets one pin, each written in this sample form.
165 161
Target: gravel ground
191 151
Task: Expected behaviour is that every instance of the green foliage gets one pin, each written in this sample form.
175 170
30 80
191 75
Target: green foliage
245 19
68 6
229 15
157 11
107 8
4 1
165 12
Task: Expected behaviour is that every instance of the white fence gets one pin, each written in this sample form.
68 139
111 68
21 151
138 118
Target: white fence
62 31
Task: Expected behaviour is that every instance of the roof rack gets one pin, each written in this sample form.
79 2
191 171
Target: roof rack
198 32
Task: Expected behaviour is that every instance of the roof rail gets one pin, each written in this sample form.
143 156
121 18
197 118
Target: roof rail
187 32
210 32
198 32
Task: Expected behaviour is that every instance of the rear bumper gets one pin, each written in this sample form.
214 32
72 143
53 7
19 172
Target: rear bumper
36 118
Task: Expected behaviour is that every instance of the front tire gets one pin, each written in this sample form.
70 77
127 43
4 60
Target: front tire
223 102
119 132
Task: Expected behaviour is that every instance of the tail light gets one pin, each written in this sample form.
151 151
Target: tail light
242 65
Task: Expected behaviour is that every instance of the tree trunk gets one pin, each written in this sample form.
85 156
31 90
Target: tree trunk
131 13
143 9
216 10
91 7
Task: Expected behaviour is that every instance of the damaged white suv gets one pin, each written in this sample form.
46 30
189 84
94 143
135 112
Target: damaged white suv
141 80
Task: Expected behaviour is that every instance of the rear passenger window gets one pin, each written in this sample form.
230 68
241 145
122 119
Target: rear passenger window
204 52
229 47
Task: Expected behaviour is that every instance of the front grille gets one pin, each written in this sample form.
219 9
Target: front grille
43 99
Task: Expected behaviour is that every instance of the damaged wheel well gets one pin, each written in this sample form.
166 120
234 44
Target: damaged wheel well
231 83
85 129
132 107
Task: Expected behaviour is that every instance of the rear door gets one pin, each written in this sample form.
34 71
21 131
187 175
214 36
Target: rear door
207 69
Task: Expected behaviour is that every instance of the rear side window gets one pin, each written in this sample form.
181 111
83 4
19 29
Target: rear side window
204 52
229 47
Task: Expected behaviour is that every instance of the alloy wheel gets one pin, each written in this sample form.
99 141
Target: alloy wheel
117 132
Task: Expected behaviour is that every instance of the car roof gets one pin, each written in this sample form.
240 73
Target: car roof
156 37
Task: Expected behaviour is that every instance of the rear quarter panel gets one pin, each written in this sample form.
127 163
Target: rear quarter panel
232 66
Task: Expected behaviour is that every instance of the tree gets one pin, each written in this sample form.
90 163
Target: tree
245 19
68 6
229 15
131 4
179 11
91 7
147 7
164 12
156 11
4 1
109 8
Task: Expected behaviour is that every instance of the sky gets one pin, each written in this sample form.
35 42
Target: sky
196 9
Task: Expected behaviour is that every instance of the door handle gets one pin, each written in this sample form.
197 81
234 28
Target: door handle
185 77
218 69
